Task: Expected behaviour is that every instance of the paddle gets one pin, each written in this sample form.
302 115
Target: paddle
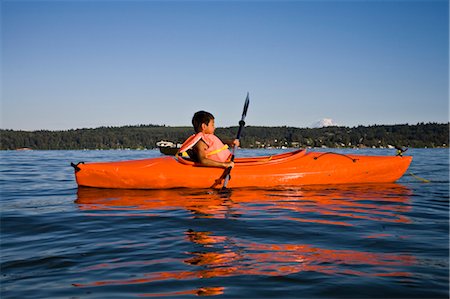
241 126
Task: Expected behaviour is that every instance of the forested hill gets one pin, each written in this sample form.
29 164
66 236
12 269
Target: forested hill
146 136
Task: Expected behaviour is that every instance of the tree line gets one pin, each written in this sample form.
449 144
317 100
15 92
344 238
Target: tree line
145 137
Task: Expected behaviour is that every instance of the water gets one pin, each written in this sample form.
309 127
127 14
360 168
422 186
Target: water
366 241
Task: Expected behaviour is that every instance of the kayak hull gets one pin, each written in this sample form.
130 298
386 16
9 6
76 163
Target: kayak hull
288 169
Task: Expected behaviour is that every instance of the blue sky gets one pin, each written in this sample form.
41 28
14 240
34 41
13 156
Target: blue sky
77 64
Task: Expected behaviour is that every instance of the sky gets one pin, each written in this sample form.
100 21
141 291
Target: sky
85 64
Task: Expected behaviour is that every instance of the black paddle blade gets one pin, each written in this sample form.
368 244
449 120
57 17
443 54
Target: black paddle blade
225 193
247 102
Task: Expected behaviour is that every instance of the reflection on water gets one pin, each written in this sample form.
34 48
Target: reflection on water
225 255
371 202
249 258
204 291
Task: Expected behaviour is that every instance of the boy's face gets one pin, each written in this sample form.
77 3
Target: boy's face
209 128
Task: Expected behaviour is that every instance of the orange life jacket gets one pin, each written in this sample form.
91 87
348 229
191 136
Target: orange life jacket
216 151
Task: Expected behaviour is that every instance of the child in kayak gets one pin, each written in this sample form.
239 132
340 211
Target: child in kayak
204 147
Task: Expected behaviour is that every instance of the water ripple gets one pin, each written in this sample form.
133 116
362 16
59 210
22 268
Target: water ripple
59 241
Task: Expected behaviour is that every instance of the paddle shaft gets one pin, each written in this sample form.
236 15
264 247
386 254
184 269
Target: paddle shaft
241 126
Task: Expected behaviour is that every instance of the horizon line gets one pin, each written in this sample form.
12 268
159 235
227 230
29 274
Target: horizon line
222 127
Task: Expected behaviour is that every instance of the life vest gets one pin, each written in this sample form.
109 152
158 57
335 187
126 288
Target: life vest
216 151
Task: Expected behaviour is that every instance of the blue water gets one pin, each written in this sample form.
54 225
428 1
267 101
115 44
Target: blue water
365 241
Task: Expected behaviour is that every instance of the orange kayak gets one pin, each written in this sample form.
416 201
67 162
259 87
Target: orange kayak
288 169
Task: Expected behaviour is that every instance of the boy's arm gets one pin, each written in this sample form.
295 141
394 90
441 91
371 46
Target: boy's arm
200 147
232 143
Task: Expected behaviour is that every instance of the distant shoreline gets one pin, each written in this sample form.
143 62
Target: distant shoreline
421 135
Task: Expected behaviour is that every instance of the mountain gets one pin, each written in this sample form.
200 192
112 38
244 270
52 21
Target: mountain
325 122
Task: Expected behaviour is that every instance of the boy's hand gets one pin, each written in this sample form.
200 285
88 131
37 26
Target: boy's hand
236 142
228 164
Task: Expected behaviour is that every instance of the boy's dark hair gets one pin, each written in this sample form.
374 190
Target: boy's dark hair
199 118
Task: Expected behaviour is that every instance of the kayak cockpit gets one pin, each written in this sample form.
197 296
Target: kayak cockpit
253 160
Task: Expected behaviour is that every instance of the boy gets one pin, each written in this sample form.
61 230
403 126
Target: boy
205 147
